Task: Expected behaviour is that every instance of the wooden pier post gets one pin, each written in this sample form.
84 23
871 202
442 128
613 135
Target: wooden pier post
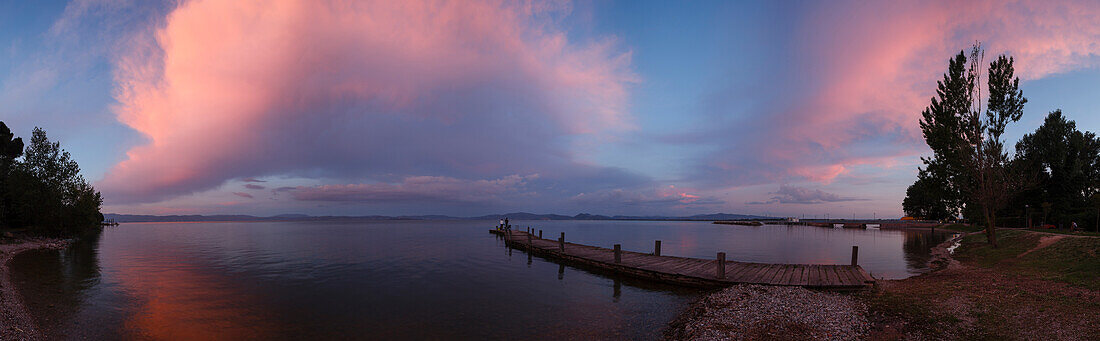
561 242
657 248
618 253
540 234
529 240
721 265
855 254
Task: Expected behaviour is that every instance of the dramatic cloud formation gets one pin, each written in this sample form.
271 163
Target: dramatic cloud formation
798 195
854 87
353 106
360 90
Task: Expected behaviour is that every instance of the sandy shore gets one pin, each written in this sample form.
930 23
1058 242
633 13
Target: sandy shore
17 322
757 312
958 300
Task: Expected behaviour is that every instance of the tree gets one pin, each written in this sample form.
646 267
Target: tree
969 161
925 198
941 125
48 193
994 180
11 148
1066 162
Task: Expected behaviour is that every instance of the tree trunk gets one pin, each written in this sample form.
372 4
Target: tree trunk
991 229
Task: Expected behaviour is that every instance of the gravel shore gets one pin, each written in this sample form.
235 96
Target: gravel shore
17 324
755 312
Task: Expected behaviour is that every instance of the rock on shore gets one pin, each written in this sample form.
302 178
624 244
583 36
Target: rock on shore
756 312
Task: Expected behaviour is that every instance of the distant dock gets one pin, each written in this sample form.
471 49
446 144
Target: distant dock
693 272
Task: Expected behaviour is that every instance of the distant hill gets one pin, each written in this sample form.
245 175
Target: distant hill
517 216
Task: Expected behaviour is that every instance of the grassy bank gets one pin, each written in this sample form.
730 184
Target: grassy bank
962 228
1067 232
1034 286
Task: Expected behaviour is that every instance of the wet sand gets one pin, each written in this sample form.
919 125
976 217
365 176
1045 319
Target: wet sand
17 322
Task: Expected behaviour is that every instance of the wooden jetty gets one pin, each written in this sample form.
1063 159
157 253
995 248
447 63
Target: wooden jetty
690 271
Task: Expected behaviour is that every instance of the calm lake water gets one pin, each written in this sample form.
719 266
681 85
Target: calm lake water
398 279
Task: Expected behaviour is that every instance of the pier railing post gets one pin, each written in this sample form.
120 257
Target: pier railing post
657 248
561 242
618 253
540 234
855 254
721 265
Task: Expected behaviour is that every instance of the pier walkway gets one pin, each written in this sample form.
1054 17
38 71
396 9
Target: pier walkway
690 271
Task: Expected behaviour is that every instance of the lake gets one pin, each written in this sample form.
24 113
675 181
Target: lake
398 279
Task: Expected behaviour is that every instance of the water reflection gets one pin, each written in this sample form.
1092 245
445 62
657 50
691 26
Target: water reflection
890 254
396 280
387 280
918 248
59 280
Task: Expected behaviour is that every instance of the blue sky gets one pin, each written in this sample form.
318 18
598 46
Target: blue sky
468 108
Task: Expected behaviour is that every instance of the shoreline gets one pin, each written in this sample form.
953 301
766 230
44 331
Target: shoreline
18 323
968 294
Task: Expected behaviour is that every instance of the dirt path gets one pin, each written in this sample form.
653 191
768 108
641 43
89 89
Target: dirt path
15 322
962 301
1043 242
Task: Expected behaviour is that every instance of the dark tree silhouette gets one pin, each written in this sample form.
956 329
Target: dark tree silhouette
11 148
994 180
1066 162
45 191
969 166
942 126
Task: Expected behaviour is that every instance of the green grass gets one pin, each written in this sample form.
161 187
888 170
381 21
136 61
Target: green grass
962 227
1067 232
1071 260
976 249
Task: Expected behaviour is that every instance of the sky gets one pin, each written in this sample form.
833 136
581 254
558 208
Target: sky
476 107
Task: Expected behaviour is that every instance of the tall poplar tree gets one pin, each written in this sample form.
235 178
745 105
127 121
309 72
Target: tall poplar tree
969 166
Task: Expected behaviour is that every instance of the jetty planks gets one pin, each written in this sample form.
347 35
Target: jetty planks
693 271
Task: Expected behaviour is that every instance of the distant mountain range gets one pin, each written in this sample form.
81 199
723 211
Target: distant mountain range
130 218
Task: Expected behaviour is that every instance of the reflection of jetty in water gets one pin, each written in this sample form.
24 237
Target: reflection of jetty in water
685 271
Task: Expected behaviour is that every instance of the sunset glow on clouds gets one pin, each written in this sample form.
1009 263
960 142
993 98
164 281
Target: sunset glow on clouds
474 107
241 89
867 71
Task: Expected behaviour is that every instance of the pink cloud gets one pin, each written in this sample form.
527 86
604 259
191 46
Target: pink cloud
866 70
233 89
